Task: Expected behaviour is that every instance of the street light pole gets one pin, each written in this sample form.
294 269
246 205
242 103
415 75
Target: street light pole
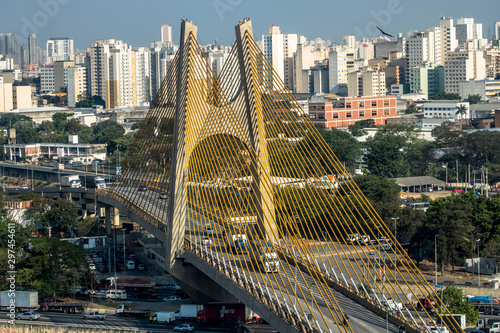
435 259
395 234
124 253
478 265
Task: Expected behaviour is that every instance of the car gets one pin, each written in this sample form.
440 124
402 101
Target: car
141 267
457 190
352 238
206 240
143 188
184 328
23 187
145 294
163 195
30 315
95 315
171 287
172 298
470 284
494 311
92 266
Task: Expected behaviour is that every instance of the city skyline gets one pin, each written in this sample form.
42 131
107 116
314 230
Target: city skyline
141 26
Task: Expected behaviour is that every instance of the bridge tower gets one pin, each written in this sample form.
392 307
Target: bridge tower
247 106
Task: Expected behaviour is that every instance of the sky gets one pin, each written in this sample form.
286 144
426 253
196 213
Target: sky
138 22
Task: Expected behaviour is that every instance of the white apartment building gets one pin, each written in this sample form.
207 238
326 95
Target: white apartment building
448 37
119 74
161 56
290 42
274 50
5 95
466 29
47 79
305 58
496 30
76 77
341 62
437 112
366 82
166 34
60 47
462 66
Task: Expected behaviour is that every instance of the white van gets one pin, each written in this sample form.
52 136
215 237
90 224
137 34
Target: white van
130 264
162 317
116 294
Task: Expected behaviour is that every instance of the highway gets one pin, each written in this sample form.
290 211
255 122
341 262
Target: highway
361 320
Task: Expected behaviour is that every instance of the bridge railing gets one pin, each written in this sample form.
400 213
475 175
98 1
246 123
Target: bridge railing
288 312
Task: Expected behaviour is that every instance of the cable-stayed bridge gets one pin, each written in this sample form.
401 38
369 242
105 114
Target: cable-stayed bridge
252 204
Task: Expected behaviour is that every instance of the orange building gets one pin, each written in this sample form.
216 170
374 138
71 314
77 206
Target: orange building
332 111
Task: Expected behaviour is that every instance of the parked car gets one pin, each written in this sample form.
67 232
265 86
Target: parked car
163 195
23 187
470 284
141 267
172 298
91 266
494 311
143 188
30 315
184 328
457 190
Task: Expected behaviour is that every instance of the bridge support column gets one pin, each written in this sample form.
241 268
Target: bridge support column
107 214
116 216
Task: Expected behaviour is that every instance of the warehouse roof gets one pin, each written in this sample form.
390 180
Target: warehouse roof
418 181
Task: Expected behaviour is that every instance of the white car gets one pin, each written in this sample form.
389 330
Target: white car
92 266
206 240
184 328
172 298
171 287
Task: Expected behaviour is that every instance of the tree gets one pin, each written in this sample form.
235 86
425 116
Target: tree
357 128
10 119
473 99
394 151
411 109
461 110
89 102
344 146
26 132
60 119
136 125
73 126
456 303
107 132
446 96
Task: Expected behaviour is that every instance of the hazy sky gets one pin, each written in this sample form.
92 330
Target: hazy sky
138 22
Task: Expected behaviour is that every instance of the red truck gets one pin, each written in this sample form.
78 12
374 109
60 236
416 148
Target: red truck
226 314
136 284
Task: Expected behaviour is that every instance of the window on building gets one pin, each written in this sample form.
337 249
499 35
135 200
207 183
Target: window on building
348 115
386 103
374 103
374 112
386 112
348 105
361 113
335 115
361 104
321 116
312 115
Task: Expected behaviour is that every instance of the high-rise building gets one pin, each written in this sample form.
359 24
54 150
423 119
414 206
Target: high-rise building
119 74
273 49
366 82
427 79
5 95
463 65
350 41
448 37
60 49
47 79
340 64
492 61
166 34
162 56
305 58
76 84
11 48
32 49
496 30
319 81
